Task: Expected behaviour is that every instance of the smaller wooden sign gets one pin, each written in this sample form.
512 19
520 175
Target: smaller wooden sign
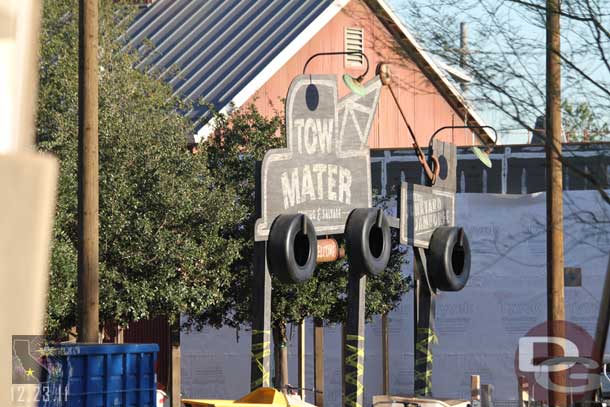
425 208
422 210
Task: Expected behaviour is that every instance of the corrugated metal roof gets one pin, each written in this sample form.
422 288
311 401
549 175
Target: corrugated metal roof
208 50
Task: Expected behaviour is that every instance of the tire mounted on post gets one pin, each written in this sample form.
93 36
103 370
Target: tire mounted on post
449 258
292 248
368 240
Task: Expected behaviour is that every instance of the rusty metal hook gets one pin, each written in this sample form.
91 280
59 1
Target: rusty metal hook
431 173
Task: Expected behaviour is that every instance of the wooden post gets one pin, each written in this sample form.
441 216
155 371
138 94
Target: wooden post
119 337
603 321
280 343
463 50
601 330
475 390
261 306
487 395
88 173
343 356
385 354
174 364
301 351
523 391
424 336
353 376
318 361
554 192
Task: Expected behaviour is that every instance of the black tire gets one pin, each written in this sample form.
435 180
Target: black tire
292 254
448 259
368 241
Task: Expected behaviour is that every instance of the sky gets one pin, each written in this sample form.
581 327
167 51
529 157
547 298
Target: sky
521 25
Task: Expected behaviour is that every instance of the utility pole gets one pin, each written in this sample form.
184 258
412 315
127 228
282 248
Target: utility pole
463 50
88 173
554 192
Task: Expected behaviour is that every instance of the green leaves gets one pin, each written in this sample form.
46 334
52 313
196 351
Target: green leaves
165 226
176 229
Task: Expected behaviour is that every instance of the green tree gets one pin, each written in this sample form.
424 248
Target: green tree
165 224
580 123
239 140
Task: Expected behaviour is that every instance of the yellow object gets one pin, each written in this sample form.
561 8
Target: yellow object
262 396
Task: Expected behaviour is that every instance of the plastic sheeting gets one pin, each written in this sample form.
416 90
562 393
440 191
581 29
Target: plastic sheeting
478 328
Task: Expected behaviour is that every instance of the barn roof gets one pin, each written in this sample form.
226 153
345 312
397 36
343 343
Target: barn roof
220 52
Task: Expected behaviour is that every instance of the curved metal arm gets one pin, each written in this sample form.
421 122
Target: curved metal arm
432 174
340 53
467 127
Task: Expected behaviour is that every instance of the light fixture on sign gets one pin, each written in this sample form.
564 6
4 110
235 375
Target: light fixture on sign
482 155
353 83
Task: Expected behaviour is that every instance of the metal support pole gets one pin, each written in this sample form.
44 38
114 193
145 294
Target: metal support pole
354 340
88 174
318 361
554 197
424 336
261 307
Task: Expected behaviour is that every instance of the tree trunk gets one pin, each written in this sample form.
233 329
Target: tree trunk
281 355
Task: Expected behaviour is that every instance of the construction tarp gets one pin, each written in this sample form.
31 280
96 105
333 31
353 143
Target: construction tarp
478 328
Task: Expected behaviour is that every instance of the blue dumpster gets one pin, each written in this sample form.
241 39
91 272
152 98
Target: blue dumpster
83 375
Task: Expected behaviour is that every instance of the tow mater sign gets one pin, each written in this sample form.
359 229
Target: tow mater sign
325 171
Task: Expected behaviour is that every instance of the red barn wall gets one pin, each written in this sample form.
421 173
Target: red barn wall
425 108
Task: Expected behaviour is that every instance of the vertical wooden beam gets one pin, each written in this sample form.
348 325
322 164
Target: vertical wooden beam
261 307
424 336
88 173
301 352
487 395
280 343
475 390
603 321
318 361
119 337
343 356
174 364
601 330
353 376
385 354
463 51
523 392
554 191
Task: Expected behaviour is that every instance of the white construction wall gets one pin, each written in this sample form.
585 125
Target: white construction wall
478 327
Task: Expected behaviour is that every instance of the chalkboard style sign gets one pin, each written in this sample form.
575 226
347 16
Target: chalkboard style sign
325 172
425 208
